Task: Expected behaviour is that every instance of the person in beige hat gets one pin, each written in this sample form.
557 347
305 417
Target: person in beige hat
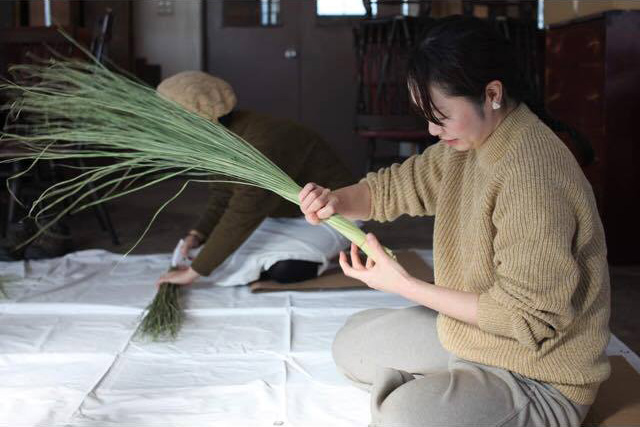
201 93
247 233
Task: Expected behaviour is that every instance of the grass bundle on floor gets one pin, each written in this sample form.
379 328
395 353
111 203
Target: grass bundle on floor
81 110
3 294
163 316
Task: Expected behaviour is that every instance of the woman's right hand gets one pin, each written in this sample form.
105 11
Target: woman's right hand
191 241
317 203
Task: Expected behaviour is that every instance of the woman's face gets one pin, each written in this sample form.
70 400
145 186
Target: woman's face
463 127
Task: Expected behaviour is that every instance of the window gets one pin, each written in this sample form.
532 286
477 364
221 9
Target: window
269 12
356 8
251 13
340 8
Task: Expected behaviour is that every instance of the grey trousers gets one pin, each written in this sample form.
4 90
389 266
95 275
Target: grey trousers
414 382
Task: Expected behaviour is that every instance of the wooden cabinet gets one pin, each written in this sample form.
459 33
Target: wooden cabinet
592 82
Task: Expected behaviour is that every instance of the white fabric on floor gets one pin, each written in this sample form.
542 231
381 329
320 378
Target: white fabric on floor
68 354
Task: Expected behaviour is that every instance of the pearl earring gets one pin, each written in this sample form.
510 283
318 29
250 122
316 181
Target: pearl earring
495 105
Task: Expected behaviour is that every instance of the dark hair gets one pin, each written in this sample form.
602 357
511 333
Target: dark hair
461 55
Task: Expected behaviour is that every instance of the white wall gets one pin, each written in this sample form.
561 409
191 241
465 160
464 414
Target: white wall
173 41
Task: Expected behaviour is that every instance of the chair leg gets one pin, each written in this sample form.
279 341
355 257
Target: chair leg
98 212
107 219
101 211
103 216
15 188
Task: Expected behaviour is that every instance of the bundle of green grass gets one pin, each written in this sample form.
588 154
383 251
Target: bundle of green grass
81 110
163 316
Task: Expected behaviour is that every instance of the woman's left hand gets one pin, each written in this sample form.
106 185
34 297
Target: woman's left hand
181 276
385 275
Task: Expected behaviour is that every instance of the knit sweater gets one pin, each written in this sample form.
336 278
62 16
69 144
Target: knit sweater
515 222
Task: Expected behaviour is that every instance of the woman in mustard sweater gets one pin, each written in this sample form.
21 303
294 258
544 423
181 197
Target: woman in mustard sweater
515 327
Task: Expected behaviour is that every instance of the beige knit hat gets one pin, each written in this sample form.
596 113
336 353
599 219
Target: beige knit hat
201 93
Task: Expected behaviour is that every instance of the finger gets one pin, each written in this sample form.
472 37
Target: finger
306 190
312 218
375 245
320 202
344 264
355 258
326 212
370 263
310 198
304 204
347 269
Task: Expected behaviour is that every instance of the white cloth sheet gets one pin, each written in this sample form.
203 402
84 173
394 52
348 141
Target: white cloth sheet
69 356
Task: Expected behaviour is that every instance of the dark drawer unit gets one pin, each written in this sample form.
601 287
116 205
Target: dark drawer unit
592 82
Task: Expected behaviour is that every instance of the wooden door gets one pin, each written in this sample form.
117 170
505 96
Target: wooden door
259 61
302 69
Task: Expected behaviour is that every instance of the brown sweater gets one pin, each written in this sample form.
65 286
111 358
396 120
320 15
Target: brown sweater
516 223
235 210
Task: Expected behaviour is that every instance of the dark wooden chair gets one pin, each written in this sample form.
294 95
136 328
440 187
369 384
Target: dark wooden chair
383 110
22 45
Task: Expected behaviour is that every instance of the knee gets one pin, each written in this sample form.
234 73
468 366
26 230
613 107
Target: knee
351 345
441 398
344 348
396 400
400 400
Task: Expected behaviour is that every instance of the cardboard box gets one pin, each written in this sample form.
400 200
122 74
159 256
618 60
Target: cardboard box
618 401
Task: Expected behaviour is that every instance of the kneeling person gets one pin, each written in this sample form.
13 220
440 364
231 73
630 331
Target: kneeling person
248 233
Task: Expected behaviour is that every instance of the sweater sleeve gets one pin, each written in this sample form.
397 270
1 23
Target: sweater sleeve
407 188
219 195
536 272
247 207
286 144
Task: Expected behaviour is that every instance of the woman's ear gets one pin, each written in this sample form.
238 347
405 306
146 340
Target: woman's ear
494 94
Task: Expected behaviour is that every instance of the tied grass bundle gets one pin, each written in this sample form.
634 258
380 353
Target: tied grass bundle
3 293
163 316
82 110
5 280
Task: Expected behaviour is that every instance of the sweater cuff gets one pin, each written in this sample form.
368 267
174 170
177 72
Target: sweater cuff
493 317
197 233
365 180
200 266
202 228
